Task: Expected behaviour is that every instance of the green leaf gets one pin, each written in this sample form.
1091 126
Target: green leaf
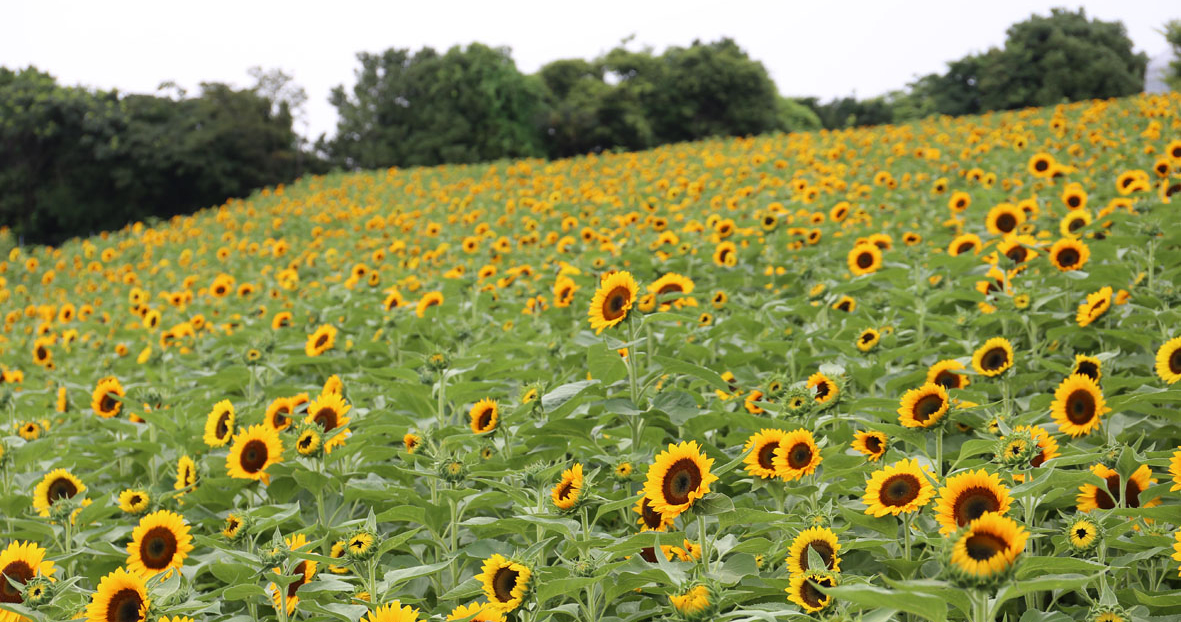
872 597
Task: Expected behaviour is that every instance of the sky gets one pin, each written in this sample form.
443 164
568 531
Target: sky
810 47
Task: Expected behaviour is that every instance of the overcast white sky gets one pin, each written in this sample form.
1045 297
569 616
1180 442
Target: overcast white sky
812 47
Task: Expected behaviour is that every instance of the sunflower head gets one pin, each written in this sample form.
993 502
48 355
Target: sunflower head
815 544
825 391
969 495
797 402
796 455
567 493
309 440
872 444
1083 534
678 477
803 589
236 526
452 470
993 358
697 602
160 543
924 407
134 501
1168 361
361 545
477 612
1078 405
902 487
23 562
506 582
254 450
484 416
121 596
983 552
219 424
1017 449
1108 613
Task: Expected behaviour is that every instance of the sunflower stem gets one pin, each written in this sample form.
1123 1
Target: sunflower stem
371 583
441 397
454 542
705 544
906 536
939 452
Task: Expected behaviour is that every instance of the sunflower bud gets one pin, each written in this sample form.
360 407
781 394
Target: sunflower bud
361 545
1016 449
1107 613
695 602
796 403
38 591
584 567
309 440
274 556
236 527
438 361
1083 534
533 473
452 470
623 470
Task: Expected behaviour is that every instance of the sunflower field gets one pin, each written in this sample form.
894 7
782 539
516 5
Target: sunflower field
917 372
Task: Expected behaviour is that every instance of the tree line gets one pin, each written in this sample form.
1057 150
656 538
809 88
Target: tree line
76 160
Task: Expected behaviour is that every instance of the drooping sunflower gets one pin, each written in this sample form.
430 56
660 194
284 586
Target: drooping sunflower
431 299
825 390
121 596
321 341
567 493
160 543
986 548
967 496
484 416
57 484
803 592
328 411
923 407
693 602
651 519
105 400
219 424
1004 218
1078 405
1091 497
760 451
1088 366
944 374
305 570
796 456
1068 254
868 339
994 357
505 582
1168 361
1096 305
20 562
612 301
864 259
820 539
898 488
393 612
871 443
677 478
254 450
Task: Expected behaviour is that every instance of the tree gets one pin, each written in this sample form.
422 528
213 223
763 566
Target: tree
1172 34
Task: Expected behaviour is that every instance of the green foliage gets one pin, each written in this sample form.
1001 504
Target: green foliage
1172 34
74 160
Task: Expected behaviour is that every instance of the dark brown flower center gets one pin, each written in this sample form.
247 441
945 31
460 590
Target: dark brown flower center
615 302
899 490
926 406
301 572
766 455
874 444
18 571
223 425
108 403
652 518
1081 533
983 546
972 503
994 359
1068 257
1175 361
864 260
682 478
823 548
867 337
564 489
484 419
124 606
1017 253
813 596
327 418
1107 501
1074 201
254 456
1006 222
158 548
1088 369
947 380
799 456
1075 224
822 390
1080 407
321 340
1040 165
671 287
61 488
503 583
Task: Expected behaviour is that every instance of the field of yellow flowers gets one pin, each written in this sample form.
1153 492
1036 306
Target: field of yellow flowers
905 372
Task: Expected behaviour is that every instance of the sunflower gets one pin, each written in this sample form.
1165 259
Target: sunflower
431 299
678 477
760 452
612 301
1092 497
864 259
328 411
693 602
868 339
1088 366
505 582
186 473
726 255
393 612
219 424
20 562
281 320
279 412
994 357
796 456
57 484
987 548
900 487
846 303
337 551
1019 248
966 496
254 450
968 242
959 202
671 283
650 519
160 543
411 442
1067 254
567 493
1041 165
133 501
477 612
1047 446
321 341
819 539
233 526
923 407
1072 222
944 374
1168 361
1078 405
105 400
1004 218
484 416
121 597
305 570
803 592
1082 534
825 390
1096 305
871 443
